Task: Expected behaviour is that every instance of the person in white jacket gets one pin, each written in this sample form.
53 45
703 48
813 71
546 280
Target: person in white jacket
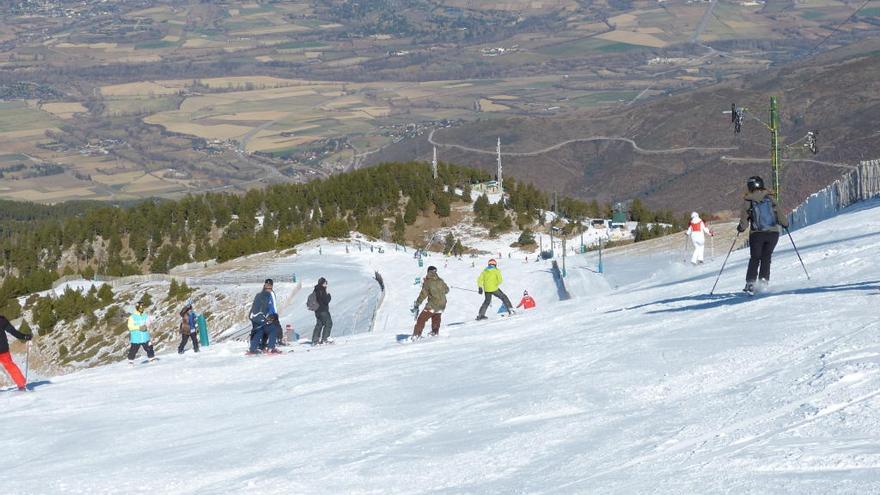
696 231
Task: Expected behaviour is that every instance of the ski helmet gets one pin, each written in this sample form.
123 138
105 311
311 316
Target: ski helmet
432 268
754 183
695 215
492 262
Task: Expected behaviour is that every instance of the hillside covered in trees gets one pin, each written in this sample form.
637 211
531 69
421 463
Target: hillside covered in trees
38 244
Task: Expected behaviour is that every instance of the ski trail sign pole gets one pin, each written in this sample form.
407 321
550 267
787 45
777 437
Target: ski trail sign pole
798 253
724 264
27 361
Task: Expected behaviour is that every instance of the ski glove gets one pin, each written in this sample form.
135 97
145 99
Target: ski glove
740 229
480 291
28 336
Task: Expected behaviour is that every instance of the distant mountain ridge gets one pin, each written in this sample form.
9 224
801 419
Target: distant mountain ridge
687 156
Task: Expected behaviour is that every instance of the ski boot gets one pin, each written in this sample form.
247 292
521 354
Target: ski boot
749 288
482 317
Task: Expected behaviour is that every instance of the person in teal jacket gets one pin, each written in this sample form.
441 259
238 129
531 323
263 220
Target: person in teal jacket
140 336
489 284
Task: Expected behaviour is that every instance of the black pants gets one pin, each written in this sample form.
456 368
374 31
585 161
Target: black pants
133 350
488 299
761 245
323 326
187 336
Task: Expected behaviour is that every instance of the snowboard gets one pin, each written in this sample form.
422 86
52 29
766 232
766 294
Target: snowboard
203 331
406 338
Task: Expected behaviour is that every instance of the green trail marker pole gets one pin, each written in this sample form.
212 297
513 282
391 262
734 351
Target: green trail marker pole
563 258
774 143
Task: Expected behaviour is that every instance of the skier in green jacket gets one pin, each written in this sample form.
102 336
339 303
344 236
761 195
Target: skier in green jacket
489 284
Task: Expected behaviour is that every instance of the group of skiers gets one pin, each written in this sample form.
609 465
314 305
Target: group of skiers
434 291
266 332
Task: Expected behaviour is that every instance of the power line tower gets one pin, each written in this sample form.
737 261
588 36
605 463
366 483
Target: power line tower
738 115
774 143
500 177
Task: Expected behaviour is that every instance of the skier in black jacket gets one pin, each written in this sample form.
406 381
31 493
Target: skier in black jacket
323 323
6 357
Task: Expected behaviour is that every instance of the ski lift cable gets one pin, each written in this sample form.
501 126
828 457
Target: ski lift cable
837 28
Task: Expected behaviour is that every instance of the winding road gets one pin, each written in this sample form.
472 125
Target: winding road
556 146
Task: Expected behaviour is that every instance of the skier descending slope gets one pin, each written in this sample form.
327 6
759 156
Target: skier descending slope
140 336
6 357
489 284
434 289
760 214
696 231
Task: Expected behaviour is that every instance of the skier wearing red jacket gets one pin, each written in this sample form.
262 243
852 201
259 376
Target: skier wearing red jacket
6 357
526 302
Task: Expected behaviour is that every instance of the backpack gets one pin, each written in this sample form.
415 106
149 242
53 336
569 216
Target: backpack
312 302
763 214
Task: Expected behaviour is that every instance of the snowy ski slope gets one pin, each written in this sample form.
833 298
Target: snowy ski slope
652 387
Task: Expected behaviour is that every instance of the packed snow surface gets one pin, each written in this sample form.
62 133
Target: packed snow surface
646 384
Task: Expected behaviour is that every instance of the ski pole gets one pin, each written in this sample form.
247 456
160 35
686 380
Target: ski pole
459 288
724 264
798 254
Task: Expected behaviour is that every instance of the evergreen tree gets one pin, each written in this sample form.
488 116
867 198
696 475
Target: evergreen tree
410 213
105 294
526 238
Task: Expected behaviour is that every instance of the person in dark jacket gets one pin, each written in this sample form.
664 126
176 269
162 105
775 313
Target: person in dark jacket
323 323
434 289
763 234
188 329
263 314
6 357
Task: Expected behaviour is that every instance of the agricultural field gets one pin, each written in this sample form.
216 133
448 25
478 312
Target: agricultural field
285 115
161 97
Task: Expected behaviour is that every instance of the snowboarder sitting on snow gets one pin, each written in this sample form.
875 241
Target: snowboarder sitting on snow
696 231
261 316
323 321
6 357
489 284
434 289
760 214
140 336
188 329
526 302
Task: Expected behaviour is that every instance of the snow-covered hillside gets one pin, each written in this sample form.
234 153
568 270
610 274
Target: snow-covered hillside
650 387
